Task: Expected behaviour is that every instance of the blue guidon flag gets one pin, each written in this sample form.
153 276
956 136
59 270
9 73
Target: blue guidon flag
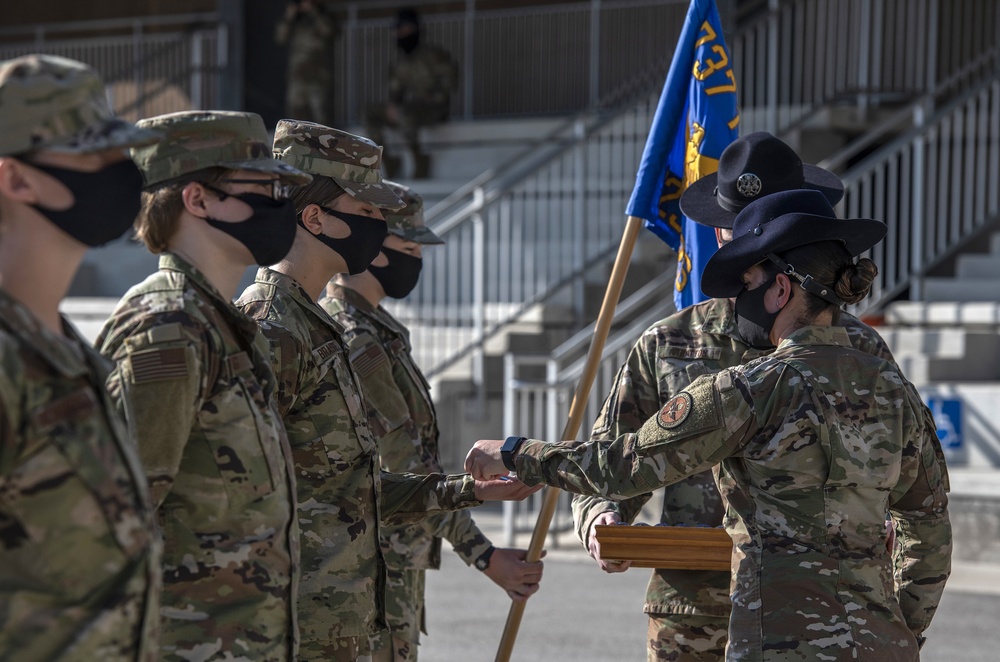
697 117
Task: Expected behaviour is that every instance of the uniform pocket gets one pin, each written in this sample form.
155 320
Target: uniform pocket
243 441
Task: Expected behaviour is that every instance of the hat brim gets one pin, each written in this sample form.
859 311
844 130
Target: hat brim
379 195
111 134
421 235
287 174
698 202
723 274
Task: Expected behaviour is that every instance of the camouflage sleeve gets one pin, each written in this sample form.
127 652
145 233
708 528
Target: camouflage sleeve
158 383
634 397
706 423
458 528
923 532
408 498
288 362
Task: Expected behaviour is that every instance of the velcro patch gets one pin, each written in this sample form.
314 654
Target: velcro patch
369 360
689 353
675 411
154 365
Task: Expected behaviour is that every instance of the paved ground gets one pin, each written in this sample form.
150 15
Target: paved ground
584 615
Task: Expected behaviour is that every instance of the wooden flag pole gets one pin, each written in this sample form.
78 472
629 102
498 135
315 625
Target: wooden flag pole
576 409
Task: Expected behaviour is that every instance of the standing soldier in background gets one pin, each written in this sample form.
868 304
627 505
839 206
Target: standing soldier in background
689 609
79 555
307 28
342 495
194 380
420 87
402 413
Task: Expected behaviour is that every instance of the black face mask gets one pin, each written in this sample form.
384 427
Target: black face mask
752 319
105 203
409 43
361 246
269 232
400 276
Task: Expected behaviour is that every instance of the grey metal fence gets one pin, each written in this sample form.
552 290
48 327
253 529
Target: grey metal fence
935 187
809 54
526 237
549 59
150 65
537 405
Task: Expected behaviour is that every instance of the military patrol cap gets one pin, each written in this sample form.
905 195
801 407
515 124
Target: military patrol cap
777 223
351 161
408 222
199 139
60 105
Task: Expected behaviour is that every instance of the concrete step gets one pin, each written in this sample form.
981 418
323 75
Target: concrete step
941 354
961 289
978 266
943 313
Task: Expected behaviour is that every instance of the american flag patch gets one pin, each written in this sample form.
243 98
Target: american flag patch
368 361
154 365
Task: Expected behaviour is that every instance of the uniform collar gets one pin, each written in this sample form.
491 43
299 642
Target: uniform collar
718 318
352 297
291 287
174 262
818 335
57 352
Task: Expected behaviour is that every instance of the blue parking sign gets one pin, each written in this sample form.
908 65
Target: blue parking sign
948 416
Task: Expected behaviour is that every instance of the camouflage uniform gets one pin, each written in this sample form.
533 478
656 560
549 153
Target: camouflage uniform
420 86
79 559
79 553
342 494
811 576
195 383
308 35
689 610
403 416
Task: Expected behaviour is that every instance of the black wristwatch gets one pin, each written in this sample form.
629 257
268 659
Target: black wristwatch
509 450
483 561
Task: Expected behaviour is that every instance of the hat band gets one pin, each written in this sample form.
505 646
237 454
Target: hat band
727 203
807 281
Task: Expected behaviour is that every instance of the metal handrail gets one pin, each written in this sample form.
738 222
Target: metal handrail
934 189
112 23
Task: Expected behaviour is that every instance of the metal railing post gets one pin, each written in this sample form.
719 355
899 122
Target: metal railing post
468 74
580 217
197 66
864 56
138 77
595 53
350 35
479 301
917 205
230 81
773 70
932 47
509 425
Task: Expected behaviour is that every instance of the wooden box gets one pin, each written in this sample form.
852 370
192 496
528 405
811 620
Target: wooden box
670 547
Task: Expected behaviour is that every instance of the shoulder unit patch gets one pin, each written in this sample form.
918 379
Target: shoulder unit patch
675 411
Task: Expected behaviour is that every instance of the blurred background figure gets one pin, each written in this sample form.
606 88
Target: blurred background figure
307 29
420 87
